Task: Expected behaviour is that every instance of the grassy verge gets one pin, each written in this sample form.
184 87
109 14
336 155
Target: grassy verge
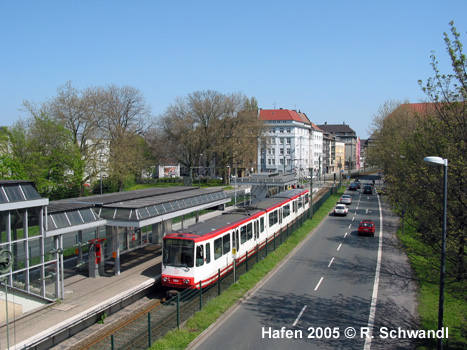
179 339
425 264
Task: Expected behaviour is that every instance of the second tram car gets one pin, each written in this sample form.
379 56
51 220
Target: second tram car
197 253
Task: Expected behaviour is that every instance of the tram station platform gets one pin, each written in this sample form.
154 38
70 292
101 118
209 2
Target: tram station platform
84 296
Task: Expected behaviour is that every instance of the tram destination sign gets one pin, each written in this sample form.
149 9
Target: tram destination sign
179 242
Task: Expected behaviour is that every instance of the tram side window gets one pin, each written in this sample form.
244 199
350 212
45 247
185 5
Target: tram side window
256 229
199 255
261 224
307 198
226 243
208 253
249 231
286 210
273 219
218 248
243 234
300 203
294 206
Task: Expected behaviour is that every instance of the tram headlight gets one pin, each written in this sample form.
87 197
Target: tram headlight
186 281
165 279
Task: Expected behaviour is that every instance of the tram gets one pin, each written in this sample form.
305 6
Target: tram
193 257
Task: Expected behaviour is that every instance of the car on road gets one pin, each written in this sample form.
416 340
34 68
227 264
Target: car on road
345 199
341 209
366 227
353 186
368 189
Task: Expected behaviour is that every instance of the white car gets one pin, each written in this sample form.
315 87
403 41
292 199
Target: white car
346 199
341 209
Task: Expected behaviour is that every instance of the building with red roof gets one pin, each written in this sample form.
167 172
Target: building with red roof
292 142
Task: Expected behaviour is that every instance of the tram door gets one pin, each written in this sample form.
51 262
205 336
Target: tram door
236 240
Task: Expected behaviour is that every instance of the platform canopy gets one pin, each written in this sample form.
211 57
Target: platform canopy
19 194
129 209
269 179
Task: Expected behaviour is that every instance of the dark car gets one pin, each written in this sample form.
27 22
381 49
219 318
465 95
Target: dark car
368 189
353 187
366 227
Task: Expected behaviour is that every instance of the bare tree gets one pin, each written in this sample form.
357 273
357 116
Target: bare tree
208 127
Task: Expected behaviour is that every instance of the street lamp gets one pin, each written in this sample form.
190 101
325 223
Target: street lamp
444 163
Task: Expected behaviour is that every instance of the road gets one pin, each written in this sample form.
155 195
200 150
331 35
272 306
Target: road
322 293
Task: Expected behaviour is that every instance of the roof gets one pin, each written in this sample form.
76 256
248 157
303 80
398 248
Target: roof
336 128
15 193
221 223
315 127
283 114
418 108
132 208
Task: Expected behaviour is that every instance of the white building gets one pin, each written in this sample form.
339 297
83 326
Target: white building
292 142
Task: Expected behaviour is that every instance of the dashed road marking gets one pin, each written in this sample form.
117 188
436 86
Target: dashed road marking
320 280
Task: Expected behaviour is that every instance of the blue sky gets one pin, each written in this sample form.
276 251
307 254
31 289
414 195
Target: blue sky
337 61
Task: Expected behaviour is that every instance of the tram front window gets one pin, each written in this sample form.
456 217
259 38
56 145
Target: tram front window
178 252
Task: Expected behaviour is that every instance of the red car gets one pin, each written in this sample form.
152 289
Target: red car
366 227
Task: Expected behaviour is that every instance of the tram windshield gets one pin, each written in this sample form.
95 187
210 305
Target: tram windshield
178 252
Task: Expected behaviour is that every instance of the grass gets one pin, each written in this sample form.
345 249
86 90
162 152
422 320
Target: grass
425 264
179 339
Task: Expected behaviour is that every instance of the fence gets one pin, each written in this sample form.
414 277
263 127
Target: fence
142 332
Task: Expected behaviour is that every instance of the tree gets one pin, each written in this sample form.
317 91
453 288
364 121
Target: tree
208 127
127 117
107 124
48 155
436 128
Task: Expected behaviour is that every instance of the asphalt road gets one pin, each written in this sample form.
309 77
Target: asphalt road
323 296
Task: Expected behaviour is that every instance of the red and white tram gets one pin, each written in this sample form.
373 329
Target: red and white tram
197 253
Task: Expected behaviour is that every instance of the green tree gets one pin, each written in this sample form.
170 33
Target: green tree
48 155
436 128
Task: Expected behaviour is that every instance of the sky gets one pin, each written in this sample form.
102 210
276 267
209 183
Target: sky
337 61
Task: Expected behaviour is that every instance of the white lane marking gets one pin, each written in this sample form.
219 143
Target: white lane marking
353 219
330 263
350 225
366 211
374 297
339 247
320 280
299 315
345 234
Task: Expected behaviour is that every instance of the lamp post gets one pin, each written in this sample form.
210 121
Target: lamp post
443 162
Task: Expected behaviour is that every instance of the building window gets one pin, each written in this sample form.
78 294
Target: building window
289 140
